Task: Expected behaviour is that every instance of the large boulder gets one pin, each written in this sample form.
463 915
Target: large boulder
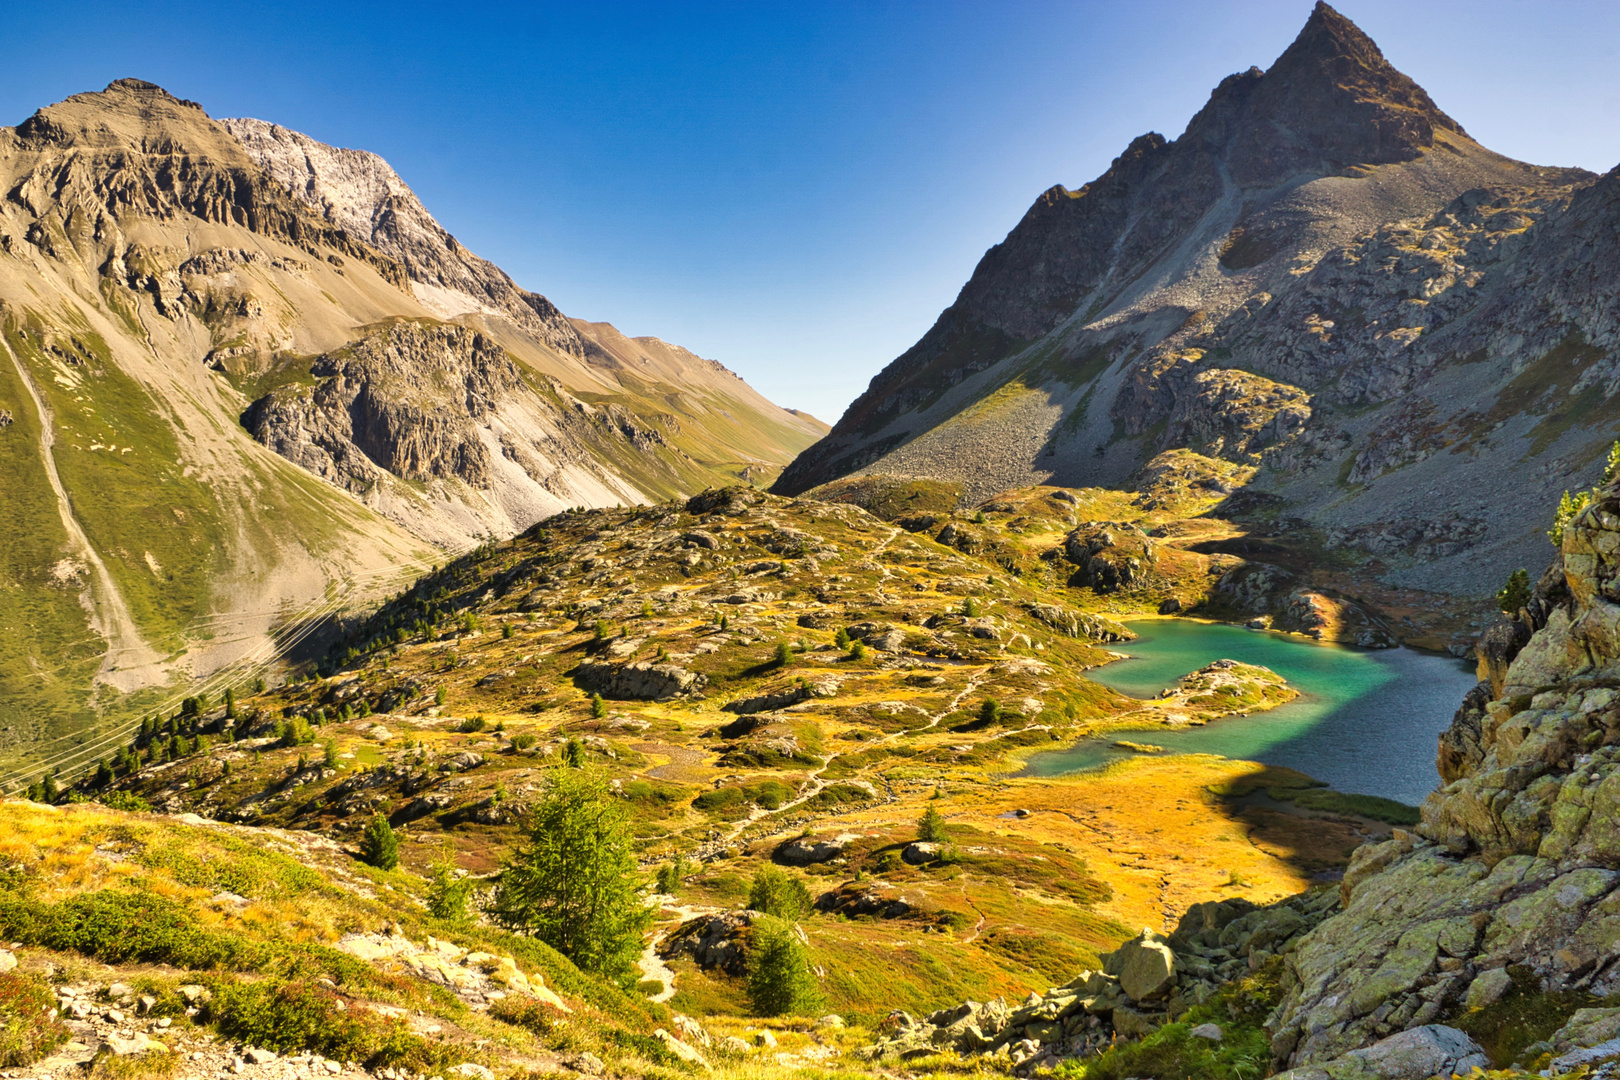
1422 1052
1144 965
808 850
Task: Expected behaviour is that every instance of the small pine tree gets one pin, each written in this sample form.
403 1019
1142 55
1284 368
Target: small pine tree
969 608
48 789
380 844
1611 467
506 631
779 977
599 632
841 639
784 654
931 829
598 706
104 774
230 704
725 621
438 696
776 892
448 894
330 758
989 711
574 754
1516 593
670 875
857 650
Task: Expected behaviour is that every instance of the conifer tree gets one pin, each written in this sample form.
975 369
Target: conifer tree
573 885
380 844
779 977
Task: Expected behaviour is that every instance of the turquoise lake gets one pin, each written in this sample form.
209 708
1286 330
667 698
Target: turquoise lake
1365 722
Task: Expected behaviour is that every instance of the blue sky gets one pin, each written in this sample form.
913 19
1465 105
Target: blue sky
795 190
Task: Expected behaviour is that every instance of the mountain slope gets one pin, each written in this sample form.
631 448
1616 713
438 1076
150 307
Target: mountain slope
1324 260
173 312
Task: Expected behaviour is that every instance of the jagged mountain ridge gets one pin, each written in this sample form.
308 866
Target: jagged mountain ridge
1321 225
159 287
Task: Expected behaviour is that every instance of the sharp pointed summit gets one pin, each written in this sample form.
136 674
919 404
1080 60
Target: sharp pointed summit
1286 286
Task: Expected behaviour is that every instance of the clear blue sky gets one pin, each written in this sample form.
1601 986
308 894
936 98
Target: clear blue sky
794 189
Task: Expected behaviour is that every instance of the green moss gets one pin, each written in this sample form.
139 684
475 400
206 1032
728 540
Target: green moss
1525 1015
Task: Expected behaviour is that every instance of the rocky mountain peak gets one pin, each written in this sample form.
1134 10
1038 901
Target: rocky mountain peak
360 193
1330 102
130 114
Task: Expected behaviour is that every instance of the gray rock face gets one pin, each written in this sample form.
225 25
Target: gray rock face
1516 863
1082 625
360 193
712 941
442 405
1418 1054
1110 555
1355 331
642 681
1146 980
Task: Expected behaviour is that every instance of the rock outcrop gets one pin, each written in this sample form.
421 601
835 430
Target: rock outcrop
641 681
1144 982
436 403
1516 864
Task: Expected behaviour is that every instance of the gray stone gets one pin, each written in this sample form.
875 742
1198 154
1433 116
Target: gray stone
8 961
686 1053
807 850
1212 1032
1145 966
765 1039
259 1056
920 852
1487 988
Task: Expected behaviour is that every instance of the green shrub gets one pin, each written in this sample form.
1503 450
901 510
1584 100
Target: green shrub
784 654
296 1016
670 874
1569 508
523 741
531 1014
380 845
471 724
779 977
124 800
779 893
29 1028
598 706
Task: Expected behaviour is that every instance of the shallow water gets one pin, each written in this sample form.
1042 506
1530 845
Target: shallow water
1366 720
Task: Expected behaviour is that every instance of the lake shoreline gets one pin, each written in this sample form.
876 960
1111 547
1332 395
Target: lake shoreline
1366 720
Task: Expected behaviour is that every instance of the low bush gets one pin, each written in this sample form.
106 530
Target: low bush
295 1016
29 1028
779 893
